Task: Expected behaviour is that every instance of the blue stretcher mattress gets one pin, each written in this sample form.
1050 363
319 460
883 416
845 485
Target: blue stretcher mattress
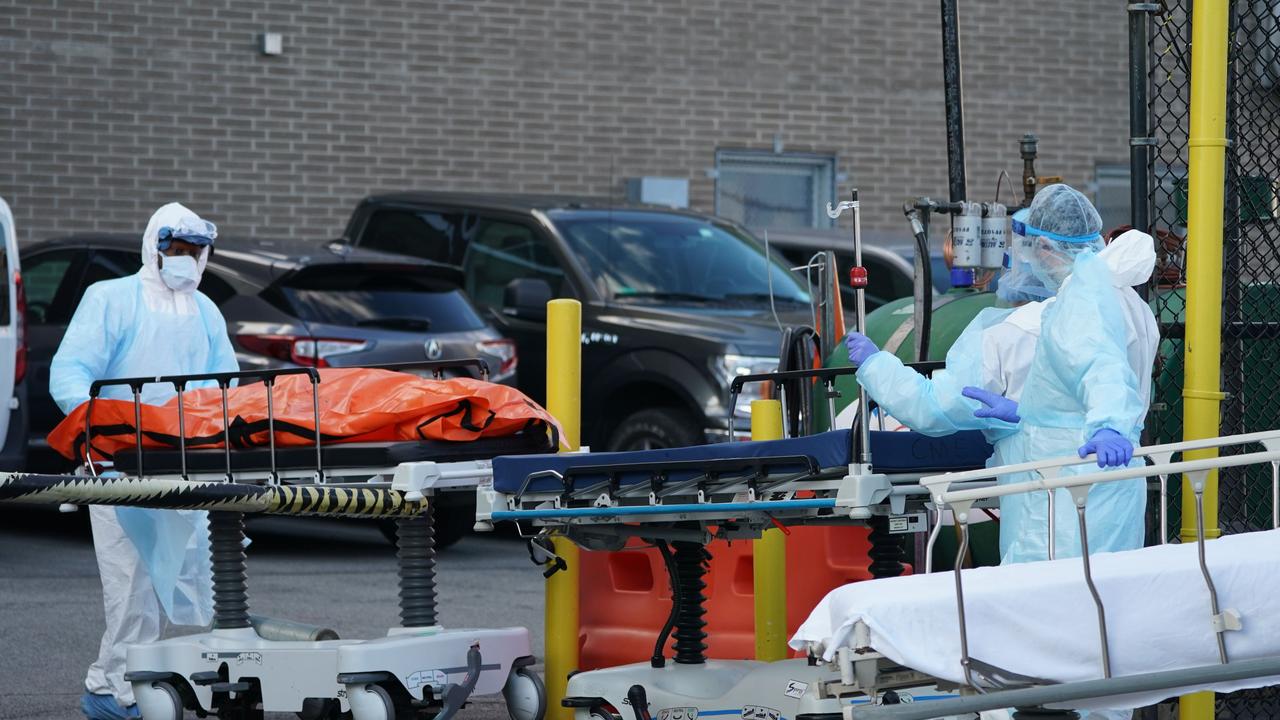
891 452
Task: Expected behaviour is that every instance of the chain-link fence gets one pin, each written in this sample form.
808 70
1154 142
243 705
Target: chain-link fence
1251 257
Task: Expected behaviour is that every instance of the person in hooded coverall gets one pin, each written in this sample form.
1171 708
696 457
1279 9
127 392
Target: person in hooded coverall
1081 358
1095 373
152 323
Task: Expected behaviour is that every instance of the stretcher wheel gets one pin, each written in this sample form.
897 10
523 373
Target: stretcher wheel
370 702
603 713
525 694
158 700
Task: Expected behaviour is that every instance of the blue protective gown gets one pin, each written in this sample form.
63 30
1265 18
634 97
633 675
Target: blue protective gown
136 326
1075 363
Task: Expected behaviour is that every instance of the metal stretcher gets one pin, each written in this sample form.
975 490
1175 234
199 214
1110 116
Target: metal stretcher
238 671
812 479
682 498
846 628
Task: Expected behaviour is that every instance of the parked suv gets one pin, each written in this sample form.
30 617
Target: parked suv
675 304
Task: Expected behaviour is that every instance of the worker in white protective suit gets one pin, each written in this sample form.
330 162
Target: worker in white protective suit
152 323
991 365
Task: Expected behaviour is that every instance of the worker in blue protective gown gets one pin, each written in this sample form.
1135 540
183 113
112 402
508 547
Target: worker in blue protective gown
152 323
1080 366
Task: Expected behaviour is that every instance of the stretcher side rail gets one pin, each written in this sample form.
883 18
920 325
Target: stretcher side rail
1159 454
1074 691
175 494
224 381
961 502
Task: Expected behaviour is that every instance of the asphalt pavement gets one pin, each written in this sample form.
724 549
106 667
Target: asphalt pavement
336 573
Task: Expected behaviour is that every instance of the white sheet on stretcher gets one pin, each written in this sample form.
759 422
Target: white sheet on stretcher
1038 619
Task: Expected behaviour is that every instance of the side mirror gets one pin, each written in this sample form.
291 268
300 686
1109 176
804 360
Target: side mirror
526 298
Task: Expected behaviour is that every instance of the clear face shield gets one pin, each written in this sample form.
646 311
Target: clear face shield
1019 284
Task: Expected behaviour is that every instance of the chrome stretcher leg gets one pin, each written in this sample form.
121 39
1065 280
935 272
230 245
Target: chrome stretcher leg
416 551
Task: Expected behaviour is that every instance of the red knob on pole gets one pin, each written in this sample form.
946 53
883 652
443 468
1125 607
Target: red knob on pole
857 277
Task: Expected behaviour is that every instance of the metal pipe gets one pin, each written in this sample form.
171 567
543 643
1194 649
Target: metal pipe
1027 150
1275 495
1204 570
860 303
88 433
271 426
315 406
933 539
1073 691
137 423
1053 533
951 80
182 429
964 630
1093 590
992 473
830 386
226 430
1164 509
1139 118
1112 475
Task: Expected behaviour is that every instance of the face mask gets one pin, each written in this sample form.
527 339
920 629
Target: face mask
180 273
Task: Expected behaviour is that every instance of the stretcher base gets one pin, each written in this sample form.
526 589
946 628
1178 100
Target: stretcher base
745 689
412 666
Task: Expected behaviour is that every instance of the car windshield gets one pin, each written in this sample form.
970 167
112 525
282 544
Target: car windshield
376 298
634 256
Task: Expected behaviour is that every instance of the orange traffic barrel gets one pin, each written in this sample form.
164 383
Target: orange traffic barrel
626 595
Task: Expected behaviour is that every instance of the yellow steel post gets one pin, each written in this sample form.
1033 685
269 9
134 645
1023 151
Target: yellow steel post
1206 156
769 556
564 402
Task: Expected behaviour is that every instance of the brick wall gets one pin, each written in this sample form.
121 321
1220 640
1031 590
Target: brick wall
115 107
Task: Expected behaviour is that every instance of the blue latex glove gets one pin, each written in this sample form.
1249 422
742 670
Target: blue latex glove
1112 448
860 348
997 406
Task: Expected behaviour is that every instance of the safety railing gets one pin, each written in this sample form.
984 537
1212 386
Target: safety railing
1049 478
224 381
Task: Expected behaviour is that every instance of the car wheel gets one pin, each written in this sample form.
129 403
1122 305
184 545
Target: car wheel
655 428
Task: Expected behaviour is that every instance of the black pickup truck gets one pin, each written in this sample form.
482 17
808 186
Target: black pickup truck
674 304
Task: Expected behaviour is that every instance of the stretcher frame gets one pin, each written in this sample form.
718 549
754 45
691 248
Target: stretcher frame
479 661
989 687
740 490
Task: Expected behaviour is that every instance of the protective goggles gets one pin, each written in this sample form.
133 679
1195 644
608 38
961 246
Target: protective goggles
1020 227
194 231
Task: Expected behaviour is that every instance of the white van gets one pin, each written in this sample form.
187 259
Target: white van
13 350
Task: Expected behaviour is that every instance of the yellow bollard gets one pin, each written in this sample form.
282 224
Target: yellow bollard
769 556
564 402
1206 155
